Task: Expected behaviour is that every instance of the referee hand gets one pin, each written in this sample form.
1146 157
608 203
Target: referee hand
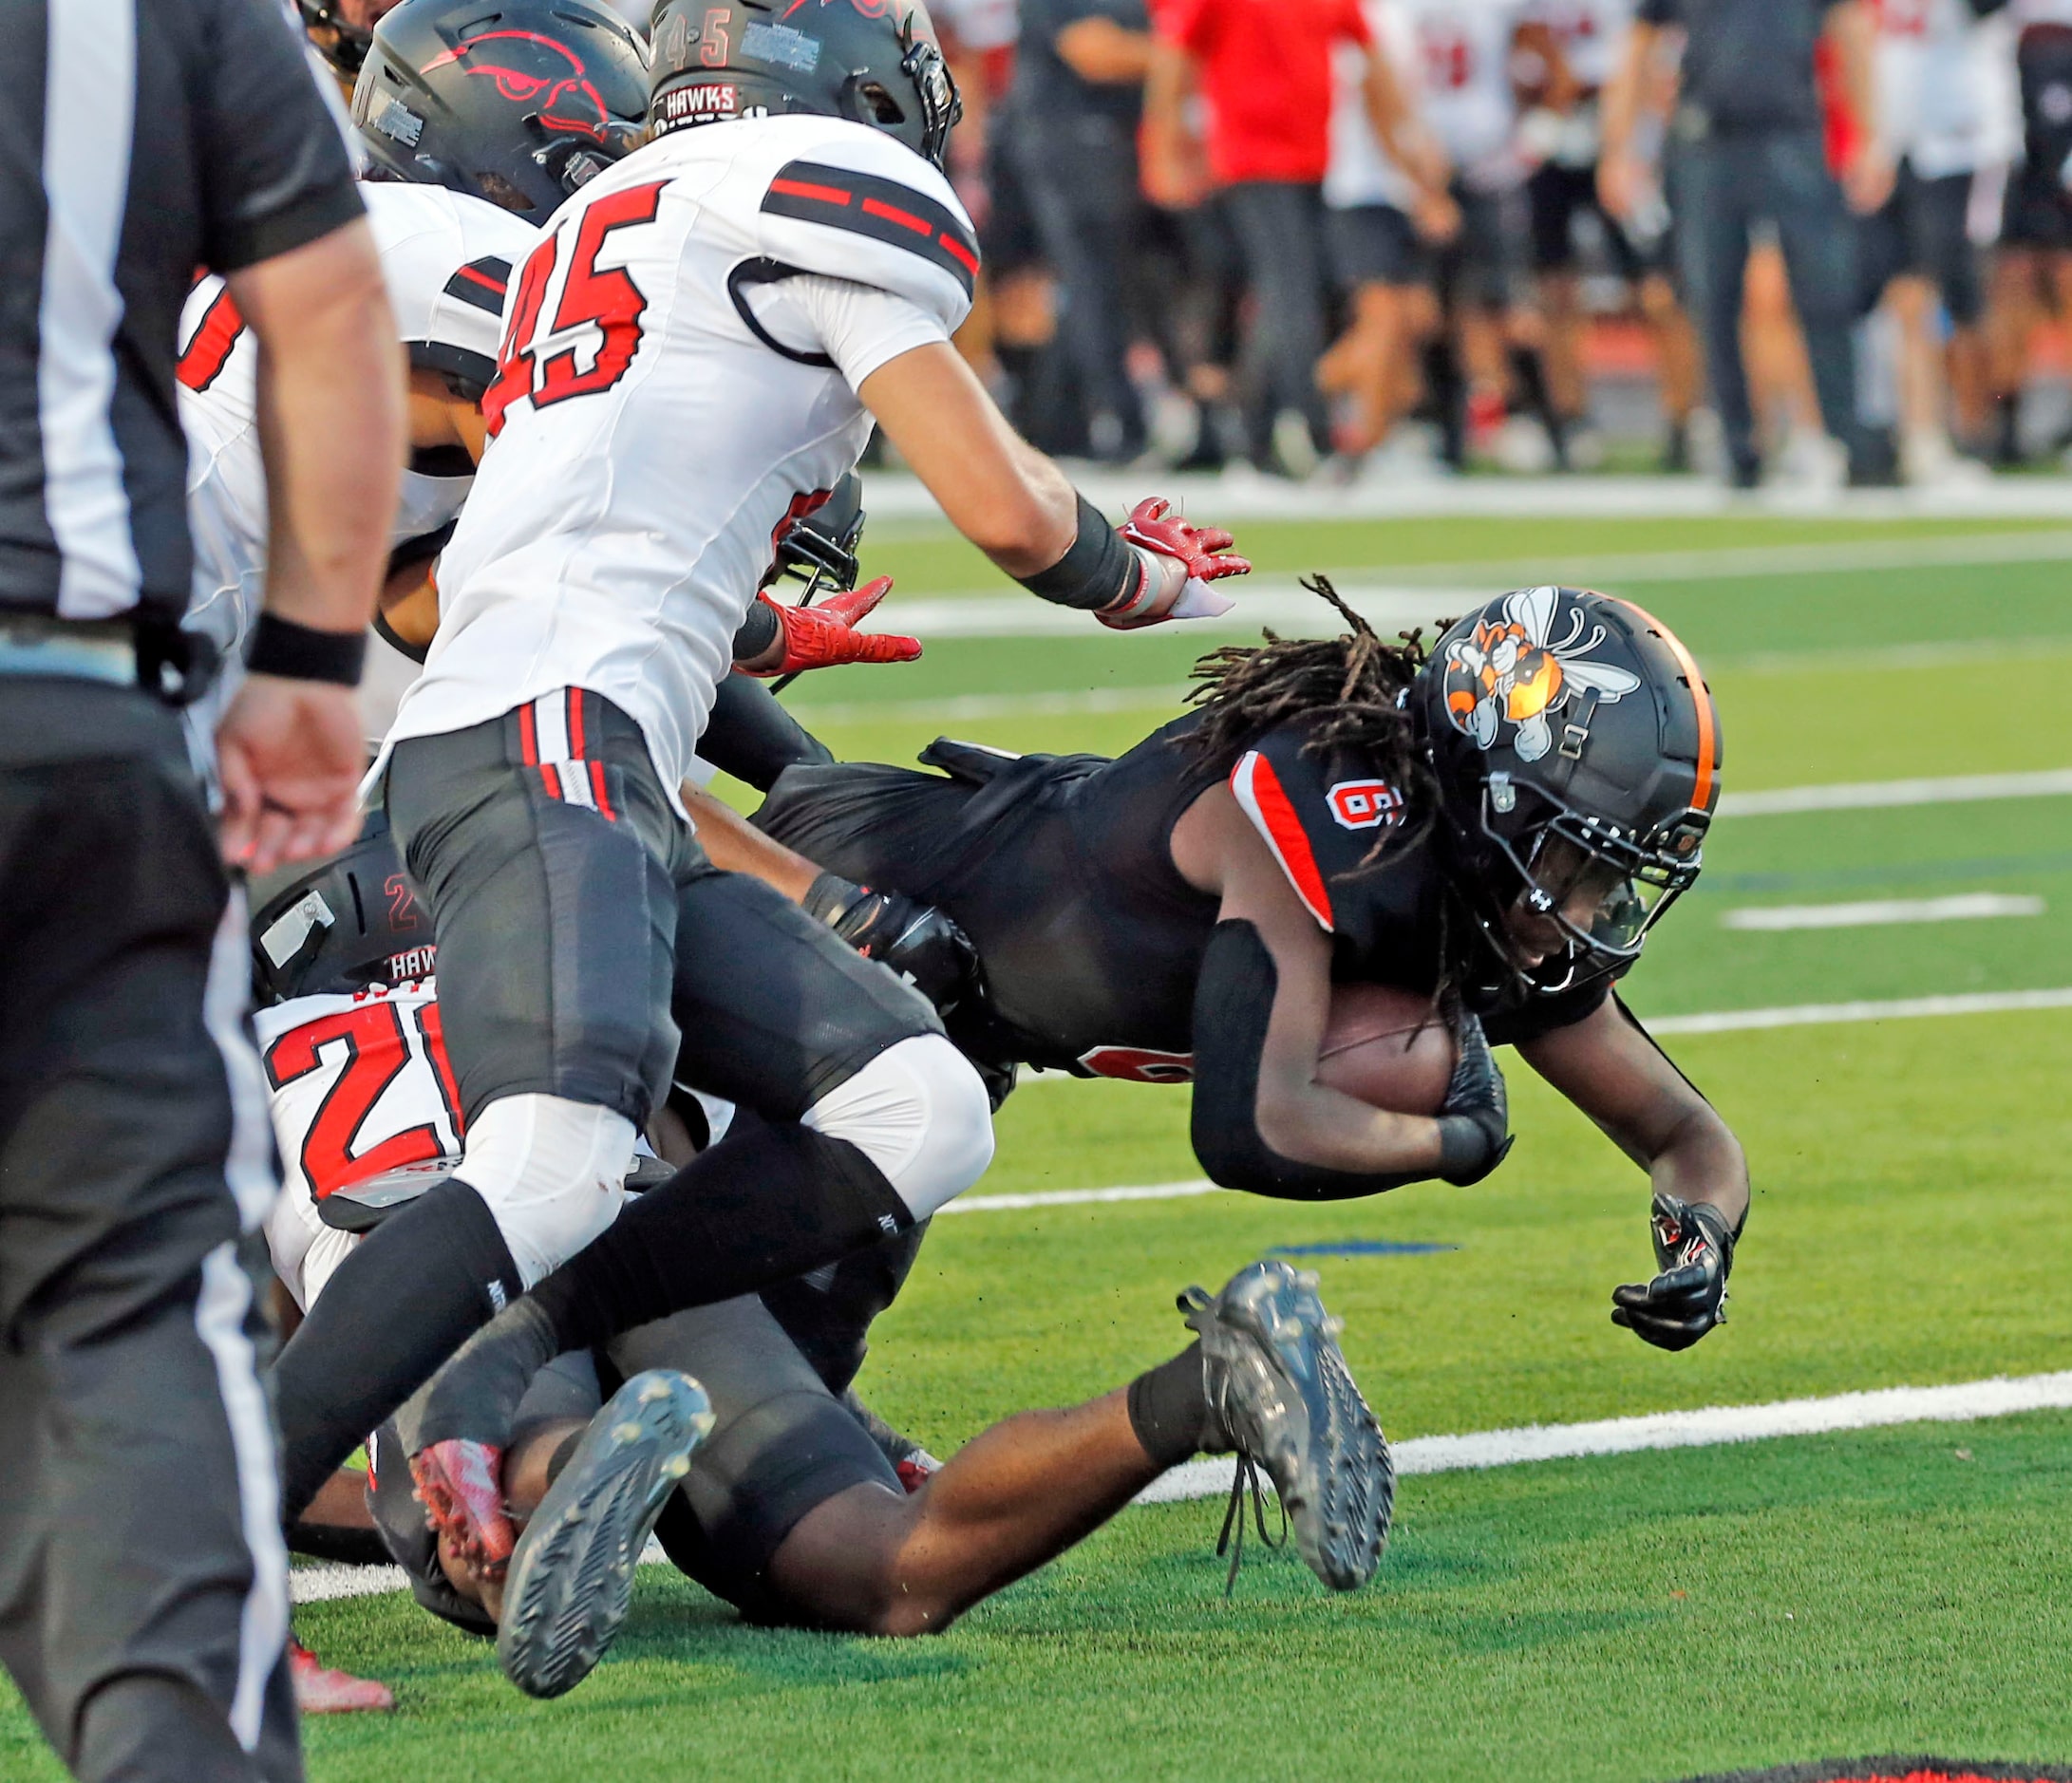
290 756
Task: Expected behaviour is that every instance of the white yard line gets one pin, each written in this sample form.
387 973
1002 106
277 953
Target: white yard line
1998 1398
1955 789
1078 1197
1443 588
1880 912
1824 1014
892 497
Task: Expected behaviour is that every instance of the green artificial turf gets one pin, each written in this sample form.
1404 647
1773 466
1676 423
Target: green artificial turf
1634 1620
1867 1593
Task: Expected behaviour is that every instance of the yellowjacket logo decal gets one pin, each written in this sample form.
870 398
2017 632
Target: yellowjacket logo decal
1515 670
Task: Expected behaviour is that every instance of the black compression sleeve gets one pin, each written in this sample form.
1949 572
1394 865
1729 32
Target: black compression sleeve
1097 571
758 632
1233 999
752 736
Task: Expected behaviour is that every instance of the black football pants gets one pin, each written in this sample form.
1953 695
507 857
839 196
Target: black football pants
143 1590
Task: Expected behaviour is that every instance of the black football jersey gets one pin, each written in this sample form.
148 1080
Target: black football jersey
1060 868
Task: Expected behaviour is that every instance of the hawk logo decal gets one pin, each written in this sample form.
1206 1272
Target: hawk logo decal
1516 672
534 71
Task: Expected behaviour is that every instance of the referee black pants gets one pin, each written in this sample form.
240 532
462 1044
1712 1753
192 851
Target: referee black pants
143 1599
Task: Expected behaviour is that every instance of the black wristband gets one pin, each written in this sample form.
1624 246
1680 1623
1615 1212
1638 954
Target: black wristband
1098 570
758 632
830 898
280 647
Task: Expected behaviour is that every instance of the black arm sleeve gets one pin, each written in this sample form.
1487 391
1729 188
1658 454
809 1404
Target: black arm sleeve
758 632
1233 999
276 173
1097 571
752 736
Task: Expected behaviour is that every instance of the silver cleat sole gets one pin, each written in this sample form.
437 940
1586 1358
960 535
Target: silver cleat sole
1291 1402
571 1582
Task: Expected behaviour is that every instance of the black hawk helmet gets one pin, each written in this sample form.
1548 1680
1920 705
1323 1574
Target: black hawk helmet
873 61
1576 750
517 102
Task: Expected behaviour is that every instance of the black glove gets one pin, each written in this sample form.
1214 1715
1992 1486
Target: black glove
1694 1250
1475 1120
915 940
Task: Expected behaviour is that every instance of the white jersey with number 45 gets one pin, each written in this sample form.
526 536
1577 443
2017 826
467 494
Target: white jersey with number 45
678 375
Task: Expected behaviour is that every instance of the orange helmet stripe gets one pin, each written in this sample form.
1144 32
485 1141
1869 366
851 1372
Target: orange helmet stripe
1708 749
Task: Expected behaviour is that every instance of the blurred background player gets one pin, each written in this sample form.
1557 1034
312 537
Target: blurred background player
1264 76
1381 221
1565 137
1948 115
2033 278
1747 147
1487 359
141 144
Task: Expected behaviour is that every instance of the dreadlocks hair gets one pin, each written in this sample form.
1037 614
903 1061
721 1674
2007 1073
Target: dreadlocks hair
1354 680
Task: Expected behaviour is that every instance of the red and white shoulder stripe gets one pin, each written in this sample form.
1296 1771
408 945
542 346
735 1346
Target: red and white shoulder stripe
1258 790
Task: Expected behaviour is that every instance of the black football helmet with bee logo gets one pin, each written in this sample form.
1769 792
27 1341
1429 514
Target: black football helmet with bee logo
873 61
517 102
1576 750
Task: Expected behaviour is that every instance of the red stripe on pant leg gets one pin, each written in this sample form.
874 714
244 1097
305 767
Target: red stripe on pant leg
552 778
596 787
528 736
575 724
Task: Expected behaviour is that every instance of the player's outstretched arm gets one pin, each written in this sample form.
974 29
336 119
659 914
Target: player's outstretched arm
1019 508
914 941
1262 1121
331 433
1608 1067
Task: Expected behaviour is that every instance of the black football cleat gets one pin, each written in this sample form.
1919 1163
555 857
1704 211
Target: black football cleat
570 1581
1281 1396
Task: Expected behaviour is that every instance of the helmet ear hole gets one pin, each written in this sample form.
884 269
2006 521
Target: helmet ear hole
884 107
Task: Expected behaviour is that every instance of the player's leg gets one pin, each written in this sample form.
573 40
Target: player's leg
133 1172
871 1121
556 923
1712 239
1553 196
1819 239
790 1511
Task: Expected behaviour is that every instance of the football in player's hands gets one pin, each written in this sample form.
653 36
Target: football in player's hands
1179 561
826 636
1694 1251
1387 1048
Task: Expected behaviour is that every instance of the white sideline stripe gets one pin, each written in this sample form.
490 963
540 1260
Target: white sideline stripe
2001 1397
1078 1197
1898 1009
1714 1022
1952 789
896 497
1998 1398
1279 601
1881 912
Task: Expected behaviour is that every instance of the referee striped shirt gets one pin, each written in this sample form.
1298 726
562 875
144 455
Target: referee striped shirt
141 142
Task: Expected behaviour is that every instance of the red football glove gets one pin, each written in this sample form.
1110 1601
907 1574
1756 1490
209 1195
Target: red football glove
826 636
1179 561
